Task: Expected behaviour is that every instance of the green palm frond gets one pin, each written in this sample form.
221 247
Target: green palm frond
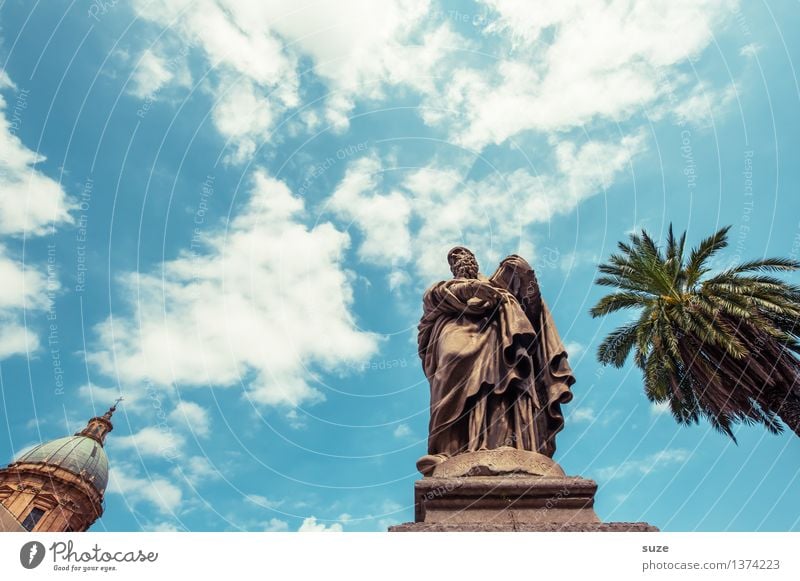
617 345
618 301
674 257
718 347
767 264
700 255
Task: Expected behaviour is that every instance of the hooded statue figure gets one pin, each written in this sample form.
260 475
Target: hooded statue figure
497 368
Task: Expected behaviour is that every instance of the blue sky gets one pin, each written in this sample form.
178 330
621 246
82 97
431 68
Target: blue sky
228 213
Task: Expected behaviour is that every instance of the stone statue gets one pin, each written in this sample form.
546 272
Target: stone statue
498 374
497 368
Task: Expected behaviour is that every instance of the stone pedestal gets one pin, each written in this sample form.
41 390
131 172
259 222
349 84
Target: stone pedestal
504 500
505 490
612 527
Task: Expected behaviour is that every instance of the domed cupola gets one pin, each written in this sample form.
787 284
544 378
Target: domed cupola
82 456
59 485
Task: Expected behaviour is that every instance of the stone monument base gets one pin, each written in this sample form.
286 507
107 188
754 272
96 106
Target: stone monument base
508 503
505 490
504 461
611 527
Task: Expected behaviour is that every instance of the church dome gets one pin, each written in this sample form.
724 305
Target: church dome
82 455
59 485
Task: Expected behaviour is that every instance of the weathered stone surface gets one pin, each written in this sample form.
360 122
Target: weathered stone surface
505 500
9 524
507 503
497 368
498 462
547 527
498 373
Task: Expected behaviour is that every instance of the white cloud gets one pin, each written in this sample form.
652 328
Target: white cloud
249 520
267 303
397 278
192 415
704 102
297 420
570 261
262 501
104 397
367 46
448 209
382 217
574 349
402 431
252 78
154 71
244 116
162 527
310 525
556 67
356 48
750 50
15 339
31 204
584 414
645 466
152 441
231 35
197 470
275 525
22 286
386 514
606 60
155 491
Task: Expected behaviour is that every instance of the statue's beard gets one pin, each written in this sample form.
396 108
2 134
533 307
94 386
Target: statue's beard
466 267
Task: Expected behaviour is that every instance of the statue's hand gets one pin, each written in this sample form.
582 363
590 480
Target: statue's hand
485 299
478 304
478 296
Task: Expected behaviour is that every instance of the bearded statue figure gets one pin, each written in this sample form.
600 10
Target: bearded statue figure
497 368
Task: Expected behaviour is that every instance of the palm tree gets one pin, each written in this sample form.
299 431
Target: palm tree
714 345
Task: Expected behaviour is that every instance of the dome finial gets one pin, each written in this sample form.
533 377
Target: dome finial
98 427
113 408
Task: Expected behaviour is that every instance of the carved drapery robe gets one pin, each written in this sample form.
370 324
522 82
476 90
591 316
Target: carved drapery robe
497 368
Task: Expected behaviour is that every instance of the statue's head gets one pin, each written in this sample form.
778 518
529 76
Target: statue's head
463 263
